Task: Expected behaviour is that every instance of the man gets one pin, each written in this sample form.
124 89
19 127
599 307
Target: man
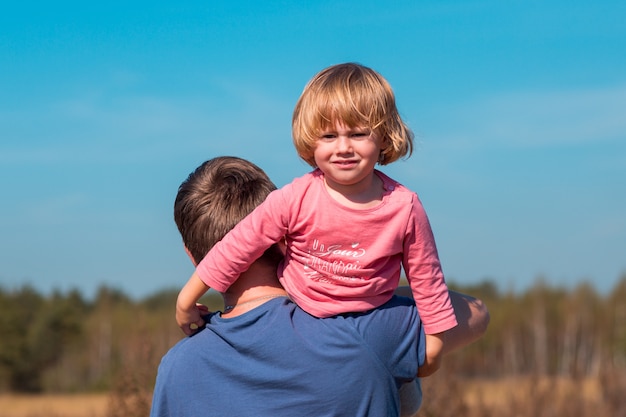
264 356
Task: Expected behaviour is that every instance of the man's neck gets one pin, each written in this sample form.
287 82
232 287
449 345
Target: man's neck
253 288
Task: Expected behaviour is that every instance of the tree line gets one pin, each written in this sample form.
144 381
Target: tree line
64 343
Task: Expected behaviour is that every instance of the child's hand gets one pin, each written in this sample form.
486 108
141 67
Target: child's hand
188 312
204 310
190 319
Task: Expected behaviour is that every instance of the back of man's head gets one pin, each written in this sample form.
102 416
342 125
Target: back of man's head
214 198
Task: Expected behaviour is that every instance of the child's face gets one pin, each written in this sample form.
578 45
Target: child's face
347 156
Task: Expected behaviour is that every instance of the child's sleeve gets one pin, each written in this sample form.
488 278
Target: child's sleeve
425 275
245 243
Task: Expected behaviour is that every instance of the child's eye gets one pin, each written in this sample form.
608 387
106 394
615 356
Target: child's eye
360 135
327 137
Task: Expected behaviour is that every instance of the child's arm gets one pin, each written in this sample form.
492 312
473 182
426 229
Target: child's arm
423 270
188 314
434 353
471 314
473 318
246 242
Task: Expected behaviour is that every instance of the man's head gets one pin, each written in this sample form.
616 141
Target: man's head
214 198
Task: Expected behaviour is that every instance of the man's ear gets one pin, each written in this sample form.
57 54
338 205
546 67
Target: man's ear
193 261
282 246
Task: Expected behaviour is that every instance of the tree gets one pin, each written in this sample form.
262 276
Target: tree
18 356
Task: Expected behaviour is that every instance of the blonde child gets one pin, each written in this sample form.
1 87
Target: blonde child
349 229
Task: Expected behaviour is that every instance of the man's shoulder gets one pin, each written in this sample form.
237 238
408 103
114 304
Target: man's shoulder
393 321
396 306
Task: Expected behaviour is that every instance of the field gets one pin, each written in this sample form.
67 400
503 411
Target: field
84 405
442 397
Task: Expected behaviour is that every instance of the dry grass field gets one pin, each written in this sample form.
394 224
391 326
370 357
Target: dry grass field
475 397
502 392
530 396
83 405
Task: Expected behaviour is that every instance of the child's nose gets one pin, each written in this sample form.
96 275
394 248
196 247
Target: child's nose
344 144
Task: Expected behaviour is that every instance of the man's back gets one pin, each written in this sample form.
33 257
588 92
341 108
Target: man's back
277 360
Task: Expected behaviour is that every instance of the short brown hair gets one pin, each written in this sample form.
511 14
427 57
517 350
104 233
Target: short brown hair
356 96
214 198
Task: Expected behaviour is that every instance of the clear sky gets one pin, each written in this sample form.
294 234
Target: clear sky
519 110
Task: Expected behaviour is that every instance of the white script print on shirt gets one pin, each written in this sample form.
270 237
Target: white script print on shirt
330 263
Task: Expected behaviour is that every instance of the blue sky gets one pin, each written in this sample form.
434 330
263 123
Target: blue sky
519 110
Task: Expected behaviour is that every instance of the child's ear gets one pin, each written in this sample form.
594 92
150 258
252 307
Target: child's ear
385 143
193 261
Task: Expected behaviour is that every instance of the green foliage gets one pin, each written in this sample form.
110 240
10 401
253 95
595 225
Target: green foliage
35 332
547 331
64 343
18 355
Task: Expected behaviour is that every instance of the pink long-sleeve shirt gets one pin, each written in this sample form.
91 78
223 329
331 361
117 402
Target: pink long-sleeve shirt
339 259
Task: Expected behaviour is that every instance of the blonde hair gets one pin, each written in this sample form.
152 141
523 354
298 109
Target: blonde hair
356 96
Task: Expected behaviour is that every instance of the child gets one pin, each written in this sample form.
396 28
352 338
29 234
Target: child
349 229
